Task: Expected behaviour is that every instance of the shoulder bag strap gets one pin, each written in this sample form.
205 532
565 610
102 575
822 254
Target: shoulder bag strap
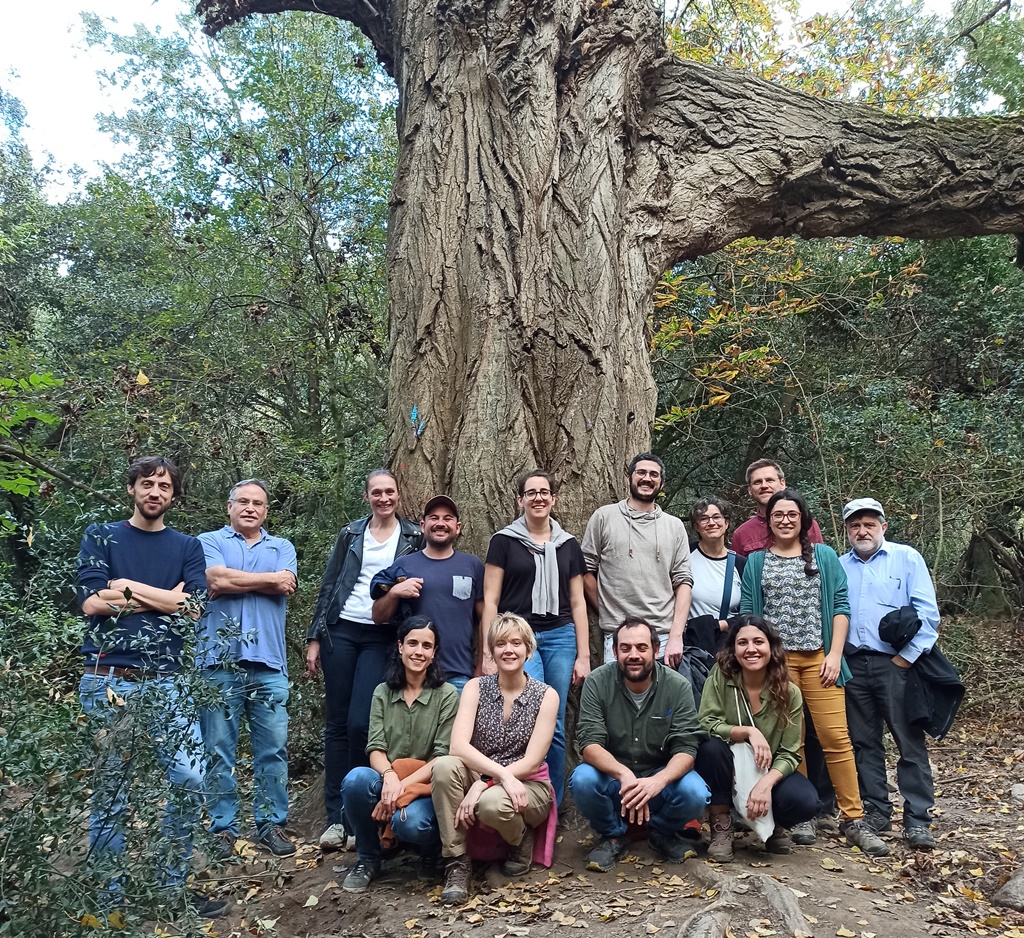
730 570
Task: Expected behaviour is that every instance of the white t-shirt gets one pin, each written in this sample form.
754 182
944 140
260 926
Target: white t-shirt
709 584
376 556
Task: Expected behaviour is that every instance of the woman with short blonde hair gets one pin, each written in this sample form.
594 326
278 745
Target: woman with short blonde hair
495 773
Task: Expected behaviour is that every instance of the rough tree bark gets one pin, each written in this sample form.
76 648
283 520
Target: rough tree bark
554 161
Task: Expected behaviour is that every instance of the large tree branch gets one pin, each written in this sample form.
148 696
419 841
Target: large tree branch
723 155
370 16
17 454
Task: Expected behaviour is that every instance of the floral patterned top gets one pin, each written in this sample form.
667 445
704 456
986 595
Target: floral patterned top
505 741
792 602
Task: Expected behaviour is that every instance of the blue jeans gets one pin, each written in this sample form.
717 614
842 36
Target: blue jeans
459 682
153 712
415 824
552 663
263 695
598 800
353 657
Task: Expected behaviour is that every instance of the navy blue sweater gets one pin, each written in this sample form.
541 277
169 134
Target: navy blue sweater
157 558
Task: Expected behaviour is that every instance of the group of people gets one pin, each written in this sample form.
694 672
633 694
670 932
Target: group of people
446 677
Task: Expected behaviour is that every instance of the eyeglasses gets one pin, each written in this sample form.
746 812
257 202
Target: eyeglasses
532 495
647 473
711 519
785 516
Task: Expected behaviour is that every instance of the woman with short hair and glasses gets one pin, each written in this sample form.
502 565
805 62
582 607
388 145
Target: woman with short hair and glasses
535 570
717 572
800 588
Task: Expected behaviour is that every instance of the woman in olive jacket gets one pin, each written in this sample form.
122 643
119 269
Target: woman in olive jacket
351 651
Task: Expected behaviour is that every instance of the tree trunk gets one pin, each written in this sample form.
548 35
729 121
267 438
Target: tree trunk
554 161
519 288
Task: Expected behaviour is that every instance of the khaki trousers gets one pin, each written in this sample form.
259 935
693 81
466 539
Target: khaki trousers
828 710
450 779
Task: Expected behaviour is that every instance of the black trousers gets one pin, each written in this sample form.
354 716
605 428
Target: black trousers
794 799
353 657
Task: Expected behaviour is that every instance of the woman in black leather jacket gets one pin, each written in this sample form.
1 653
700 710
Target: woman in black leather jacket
351 651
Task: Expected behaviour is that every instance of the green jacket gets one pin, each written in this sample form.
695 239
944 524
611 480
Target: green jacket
643 740
722 708
834 598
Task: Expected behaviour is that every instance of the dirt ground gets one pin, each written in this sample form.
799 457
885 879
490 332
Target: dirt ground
824 890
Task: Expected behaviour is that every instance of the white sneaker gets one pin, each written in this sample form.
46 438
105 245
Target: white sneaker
335 838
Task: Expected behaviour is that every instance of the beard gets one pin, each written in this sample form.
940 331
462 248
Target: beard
151 512
639 496
646 670
442 540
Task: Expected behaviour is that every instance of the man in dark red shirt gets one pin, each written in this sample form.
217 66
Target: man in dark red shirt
764 479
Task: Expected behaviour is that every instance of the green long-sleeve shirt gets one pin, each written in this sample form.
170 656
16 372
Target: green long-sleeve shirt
642 740
422 731
721 709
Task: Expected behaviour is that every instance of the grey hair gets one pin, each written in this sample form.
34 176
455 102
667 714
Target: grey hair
234 488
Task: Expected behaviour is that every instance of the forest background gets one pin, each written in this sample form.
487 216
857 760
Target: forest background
219 296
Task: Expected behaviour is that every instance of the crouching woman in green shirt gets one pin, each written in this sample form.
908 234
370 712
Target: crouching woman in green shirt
411 718
748 697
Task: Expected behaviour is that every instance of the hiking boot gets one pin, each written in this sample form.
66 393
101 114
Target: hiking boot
605 855
361 875
456 880
876 822
335 838
826 822
672 848
918 837
206 908
857 835
779 842
720 848
520 856
803 834
274 840
428 867
222 846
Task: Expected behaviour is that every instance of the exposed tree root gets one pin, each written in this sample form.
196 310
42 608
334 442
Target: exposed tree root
739 900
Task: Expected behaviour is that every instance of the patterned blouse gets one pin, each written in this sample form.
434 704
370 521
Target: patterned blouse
506 742
792 602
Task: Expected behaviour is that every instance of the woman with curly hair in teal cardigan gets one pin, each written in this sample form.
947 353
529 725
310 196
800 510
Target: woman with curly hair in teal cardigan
800 588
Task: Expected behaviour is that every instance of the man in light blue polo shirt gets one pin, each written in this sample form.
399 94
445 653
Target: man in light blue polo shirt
884 576
250 576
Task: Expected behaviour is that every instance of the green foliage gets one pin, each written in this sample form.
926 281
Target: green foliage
225 296
991 78
49 756
891 368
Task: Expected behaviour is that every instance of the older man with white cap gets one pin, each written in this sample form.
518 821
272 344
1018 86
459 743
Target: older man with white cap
884 577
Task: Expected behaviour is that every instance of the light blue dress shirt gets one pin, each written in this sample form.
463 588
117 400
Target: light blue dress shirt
245 626
894 576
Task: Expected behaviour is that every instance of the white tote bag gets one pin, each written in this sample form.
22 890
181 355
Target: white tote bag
747 776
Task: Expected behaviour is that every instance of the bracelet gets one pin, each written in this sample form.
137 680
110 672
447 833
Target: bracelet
388 769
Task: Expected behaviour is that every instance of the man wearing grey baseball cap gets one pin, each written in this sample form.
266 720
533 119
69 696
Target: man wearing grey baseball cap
883 577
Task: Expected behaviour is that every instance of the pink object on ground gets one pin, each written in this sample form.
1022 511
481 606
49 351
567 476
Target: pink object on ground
485 843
